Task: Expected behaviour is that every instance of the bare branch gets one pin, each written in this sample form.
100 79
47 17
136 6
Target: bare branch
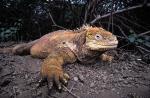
111 16
125 25
118 11
54 23
90 5
86 13
51 18
143 48
70 90
59 26
145 2
108 27
144 33
140 50
125 37
126 19
124 45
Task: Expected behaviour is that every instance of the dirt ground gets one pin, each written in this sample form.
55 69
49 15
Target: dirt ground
126 77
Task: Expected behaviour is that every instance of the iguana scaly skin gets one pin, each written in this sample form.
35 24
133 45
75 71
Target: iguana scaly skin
67 46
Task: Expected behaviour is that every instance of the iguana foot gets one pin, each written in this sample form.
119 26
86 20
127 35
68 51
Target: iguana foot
107 58
41 82
55 76
58 79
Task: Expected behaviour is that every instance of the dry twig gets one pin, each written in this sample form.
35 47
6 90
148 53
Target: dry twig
70 92
144 33
86 12
120 29
91 5
125 25
54 23
143 48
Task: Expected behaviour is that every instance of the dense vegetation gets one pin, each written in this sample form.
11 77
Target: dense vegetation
30 19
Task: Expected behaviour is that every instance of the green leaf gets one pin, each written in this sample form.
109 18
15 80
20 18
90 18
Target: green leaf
132 35
131 39
12 28
140 40
136 43
7 31
2 29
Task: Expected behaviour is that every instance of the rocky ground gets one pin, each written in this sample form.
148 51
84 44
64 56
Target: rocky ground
128 76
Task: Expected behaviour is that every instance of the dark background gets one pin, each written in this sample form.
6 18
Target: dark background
24 20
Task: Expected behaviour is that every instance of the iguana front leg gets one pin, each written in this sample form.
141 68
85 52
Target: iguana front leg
52 68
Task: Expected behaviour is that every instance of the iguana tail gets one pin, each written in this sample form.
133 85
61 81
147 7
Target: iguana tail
5 50
20 49
23 49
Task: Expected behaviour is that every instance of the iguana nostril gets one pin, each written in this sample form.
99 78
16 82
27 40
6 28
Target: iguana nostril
63 42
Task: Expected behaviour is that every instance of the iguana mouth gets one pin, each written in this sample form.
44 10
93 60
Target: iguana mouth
106 47
109 46
99 47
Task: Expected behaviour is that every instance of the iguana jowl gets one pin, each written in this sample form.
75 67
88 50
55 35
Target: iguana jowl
67 46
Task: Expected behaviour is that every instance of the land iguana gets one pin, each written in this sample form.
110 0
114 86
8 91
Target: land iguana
68 46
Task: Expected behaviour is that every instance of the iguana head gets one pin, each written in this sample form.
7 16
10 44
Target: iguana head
100 39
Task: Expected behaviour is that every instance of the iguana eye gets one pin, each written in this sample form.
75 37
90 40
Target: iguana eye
98 37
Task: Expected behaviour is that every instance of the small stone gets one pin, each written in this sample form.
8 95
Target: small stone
126 82
103 86
113 89
39 92
104 78
75 78
81 78
118 93
87 75
139 59
92 85
26 76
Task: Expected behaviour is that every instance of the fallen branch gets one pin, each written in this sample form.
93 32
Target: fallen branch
72 87
118 11
70 92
